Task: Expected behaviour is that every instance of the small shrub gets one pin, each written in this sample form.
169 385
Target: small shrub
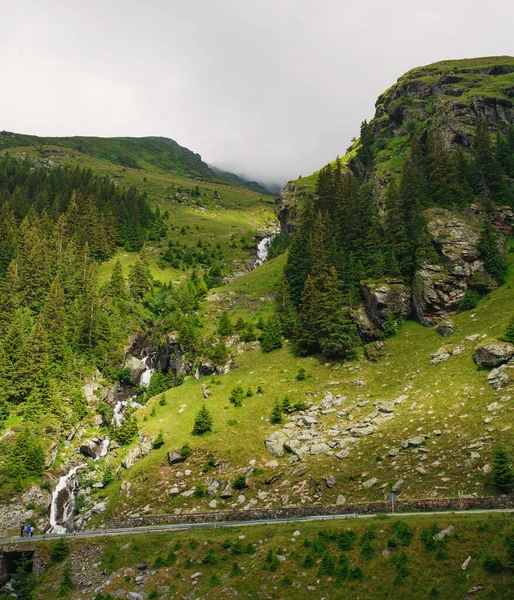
470 301
403 533
159 441
200 490
276 414
235 571
60 550
357 574
346 540
237 396
493 565
301 375
209 465
210 558
239 482
308 561
327 565
214 580
185 451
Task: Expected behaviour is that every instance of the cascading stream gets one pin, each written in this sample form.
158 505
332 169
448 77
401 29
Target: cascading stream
263 249
63 500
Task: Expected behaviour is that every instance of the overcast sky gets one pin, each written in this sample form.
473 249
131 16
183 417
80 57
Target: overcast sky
271 89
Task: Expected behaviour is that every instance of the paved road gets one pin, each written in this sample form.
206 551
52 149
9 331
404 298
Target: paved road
222 524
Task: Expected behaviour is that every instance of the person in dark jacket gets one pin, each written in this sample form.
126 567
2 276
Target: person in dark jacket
22 530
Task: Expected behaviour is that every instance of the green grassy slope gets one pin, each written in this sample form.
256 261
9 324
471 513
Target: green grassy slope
153 154
298 561
452 397
223 213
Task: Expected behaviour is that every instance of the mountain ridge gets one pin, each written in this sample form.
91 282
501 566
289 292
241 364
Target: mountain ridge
152 153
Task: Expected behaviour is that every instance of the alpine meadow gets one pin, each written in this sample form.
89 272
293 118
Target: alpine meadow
184 354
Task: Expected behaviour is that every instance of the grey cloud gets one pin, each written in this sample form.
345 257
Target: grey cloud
269 89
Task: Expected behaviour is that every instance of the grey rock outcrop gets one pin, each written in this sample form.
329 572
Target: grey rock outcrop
275 443
136 368
384 298
92 448
440 356
435 293
494 354
445 328
142 448
501 376
174 458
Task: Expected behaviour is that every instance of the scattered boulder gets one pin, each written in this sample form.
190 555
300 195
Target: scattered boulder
174 458
397 486
385 406
440 356
143 447
134 596
500 377
370 482
445 328
442 534
227 491
92 448
212 488
321 448
330 481
275 444
340 500
494 354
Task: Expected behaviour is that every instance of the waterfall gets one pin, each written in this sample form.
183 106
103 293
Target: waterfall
263 249
146 375
63 501
120 406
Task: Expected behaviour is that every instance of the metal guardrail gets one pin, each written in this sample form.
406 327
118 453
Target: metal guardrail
171 527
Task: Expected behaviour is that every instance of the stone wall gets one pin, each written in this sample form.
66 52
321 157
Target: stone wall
429 505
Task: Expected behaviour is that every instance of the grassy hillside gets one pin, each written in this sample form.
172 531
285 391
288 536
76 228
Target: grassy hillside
222 213
449 403
153 154
333 559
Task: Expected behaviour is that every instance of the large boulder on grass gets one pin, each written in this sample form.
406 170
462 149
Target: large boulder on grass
494 354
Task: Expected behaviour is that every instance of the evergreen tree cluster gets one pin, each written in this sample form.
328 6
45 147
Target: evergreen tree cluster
346 236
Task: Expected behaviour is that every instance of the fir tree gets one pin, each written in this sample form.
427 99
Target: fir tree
285 308
502 473
272 335
237 396
203 421
225 327
488 245
116 288
276 413
140 278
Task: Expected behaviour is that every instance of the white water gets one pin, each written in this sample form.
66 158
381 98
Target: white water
263 249
147 374
104 447
120 407
66 482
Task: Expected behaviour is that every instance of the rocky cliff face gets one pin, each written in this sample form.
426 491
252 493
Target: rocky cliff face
452 95
438 289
